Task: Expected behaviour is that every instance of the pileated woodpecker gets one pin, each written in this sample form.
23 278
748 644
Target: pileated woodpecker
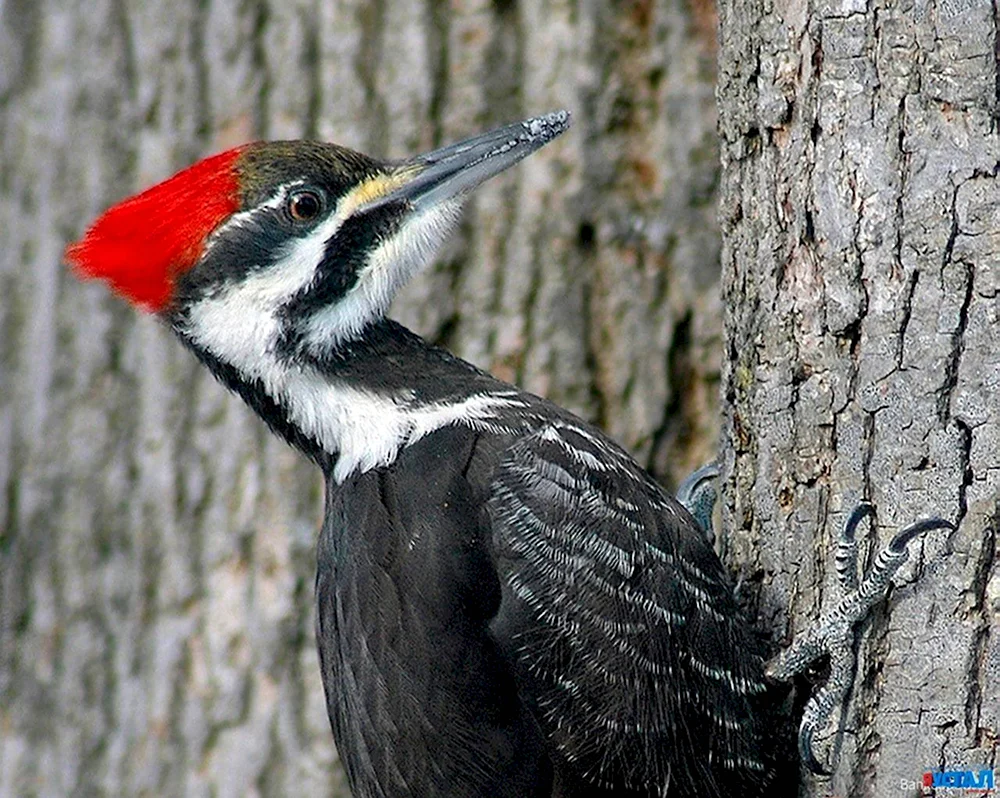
508 604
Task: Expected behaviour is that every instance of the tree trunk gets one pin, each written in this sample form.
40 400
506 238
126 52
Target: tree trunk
861 226
156 543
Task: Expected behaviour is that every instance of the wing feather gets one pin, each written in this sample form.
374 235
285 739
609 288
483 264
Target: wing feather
620 619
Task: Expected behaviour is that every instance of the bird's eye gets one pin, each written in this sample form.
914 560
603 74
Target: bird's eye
304 206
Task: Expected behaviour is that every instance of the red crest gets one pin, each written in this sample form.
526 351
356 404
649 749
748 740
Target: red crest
141 245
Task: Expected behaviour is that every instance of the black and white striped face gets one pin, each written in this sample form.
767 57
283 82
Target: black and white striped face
271 258
324 237
322 242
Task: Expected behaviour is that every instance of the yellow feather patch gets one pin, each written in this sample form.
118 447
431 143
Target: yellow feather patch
377 187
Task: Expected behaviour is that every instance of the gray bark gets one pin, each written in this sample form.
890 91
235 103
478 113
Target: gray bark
861 229
156 543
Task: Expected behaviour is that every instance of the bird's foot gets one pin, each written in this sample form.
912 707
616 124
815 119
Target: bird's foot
833 633
698 494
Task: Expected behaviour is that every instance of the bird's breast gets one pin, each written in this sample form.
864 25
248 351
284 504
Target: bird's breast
420 699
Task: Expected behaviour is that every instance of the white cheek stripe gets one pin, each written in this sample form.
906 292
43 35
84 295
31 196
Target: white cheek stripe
240 326
389 267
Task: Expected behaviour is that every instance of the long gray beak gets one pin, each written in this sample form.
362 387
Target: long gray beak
458 168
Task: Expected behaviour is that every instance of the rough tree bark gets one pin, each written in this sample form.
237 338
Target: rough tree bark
156 544
860 211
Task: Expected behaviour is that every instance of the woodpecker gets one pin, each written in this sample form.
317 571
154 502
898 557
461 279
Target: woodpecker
508 605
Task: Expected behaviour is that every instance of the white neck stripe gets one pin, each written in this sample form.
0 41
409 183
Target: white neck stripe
241 324
389 267
368 431
365 430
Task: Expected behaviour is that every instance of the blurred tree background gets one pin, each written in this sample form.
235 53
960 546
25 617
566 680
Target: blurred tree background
156 543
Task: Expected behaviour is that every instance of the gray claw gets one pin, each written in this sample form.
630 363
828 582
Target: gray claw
698 495
864 509
904 536
806 752
846 558
820 707
833 634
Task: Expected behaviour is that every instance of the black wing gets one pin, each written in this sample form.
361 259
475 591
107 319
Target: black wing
628 645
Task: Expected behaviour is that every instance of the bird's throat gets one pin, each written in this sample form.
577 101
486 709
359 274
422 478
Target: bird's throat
353 406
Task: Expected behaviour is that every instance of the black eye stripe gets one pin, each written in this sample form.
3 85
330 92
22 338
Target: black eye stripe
345 254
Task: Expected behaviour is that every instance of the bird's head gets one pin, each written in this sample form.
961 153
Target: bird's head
290 244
